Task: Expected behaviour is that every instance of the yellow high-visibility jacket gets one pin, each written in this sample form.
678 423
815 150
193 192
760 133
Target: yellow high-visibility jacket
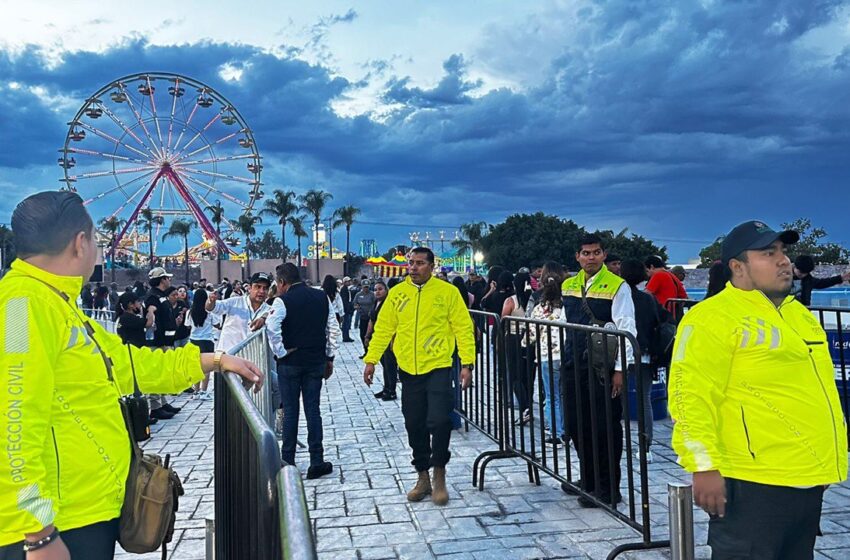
426 320
752 392
65 448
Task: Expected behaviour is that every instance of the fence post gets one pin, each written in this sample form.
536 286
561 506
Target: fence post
680 501
210 538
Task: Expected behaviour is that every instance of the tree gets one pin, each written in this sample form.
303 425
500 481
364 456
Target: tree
811 243
470 242
7 247
245 224
217 217
710 254
313 202
632 246
268 246
111 226
524 238
282 206
181 228
147 219
345 216
297 223
397 250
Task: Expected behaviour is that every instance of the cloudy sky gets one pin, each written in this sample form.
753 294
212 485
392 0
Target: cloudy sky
675 120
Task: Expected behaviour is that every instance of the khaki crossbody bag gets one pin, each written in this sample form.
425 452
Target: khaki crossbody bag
153 488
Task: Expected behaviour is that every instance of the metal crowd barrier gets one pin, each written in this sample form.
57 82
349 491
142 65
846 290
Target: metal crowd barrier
834 321
678 307
510 377
251 488
104 317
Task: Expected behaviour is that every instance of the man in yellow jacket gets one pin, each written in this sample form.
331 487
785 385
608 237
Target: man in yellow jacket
66 452
757 416
428 318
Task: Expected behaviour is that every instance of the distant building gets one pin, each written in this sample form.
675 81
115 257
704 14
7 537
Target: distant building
369 248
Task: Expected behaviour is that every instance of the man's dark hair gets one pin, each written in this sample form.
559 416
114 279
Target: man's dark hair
612 257
633 272
155 282
429 254
654 262
287 273
46 222
804 263
590 239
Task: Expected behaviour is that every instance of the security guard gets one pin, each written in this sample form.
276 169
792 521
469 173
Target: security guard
757 416
66 449
428 318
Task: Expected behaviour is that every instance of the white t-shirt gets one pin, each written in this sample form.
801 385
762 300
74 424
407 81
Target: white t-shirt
201 332
237 324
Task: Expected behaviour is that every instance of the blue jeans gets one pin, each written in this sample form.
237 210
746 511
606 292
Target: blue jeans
301 383
346 326
553 396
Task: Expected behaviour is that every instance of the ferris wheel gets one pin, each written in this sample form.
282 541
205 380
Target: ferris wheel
167 143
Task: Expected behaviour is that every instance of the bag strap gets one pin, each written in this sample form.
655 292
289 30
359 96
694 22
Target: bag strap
586 307
107 362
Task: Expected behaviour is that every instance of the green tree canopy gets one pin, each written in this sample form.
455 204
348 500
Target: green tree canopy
632 246
267 247
525 238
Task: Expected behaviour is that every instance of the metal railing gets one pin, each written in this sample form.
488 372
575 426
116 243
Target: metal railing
517 375
252 488
104 317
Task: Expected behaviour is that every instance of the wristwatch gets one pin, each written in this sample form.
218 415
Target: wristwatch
217 360
470 367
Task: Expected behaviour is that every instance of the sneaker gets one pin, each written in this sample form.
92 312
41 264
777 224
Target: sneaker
648 457
172 409
161 414
320 470
389 397
553 440
569 489
379 394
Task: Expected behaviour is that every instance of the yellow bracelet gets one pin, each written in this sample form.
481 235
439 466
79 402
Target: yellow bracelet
217 360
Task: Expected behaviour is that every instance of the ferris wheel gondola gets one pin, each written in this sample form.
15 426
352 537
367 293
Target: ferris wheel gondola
142 141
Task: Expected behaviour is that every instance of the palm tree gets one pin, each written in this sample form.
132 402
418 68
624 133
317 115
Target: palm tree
345 216
111 226
472 235
246 223
217 217
147 219
297 223
282 206
181 228
313 202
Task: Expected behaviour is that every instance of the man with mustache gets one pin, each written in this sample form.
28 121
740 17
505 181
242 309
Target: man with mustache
757 416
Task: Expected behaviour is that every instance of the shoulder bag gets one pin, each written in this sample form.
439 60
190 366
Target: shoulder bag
603 347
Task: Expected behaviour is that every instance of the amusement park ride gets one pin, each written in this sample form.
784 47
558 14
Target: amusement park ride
168 143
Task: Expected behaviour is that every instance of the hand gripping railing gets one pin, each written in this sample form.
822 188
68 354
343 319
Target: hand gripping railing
251 489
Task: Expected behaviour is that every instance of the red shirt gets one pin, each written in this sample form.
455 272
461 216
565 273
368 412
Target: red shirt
664 286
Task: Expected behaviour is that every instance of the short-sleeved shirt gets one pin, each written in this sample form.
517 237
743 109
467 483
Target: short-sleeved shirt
131 329
664 286
366 302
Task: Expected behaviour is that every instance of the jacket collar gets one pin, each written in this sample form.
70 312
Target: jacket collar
756 298
70 285
418 286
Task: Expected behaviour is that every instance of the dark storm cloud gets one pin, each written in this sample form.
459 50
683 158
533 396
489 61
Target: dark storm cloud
679 119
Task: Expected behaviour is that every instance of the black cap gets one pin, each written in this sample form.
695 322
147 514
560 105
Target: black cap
753 235
261 277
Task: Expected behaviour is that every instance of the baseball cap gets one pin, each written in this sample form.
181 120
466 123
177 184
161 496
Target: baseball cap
158 272
347 279
753 235
261 277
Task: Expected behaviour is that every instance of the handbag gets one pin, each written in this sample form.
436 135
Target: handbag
603 347
137 409
153 488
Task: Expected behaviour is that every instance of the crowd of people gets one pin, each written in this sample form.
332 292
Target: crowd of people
750 343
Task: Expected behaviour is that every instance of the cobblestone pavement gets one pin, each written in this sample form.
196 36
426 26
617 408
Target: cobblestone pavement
360 511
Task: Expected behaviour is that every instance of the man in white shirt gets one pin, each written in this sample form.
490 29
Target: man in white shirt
245 314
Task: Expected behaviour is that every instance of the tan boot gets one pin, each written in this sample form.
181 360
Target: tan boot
422 488
440 495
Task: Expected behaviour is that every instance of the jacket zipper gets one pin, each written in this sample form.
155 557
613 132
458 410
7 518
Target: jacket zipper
747 434
831 416
416 332
56 450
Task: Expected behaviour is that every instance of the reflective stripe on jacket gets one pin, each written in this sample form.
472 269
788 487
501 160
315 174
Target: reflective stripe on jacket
66 451
752 392
426 320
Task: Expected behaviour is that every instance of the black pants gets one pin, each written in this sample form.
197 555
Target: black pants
519 374
364 326
390 367
765 522
427 401
92 542
206 346
589 429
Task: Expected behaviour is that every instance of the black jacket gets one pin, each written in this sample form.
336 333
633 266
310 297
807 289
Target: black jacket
803 290
647 320
165 327
305 325
347 305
